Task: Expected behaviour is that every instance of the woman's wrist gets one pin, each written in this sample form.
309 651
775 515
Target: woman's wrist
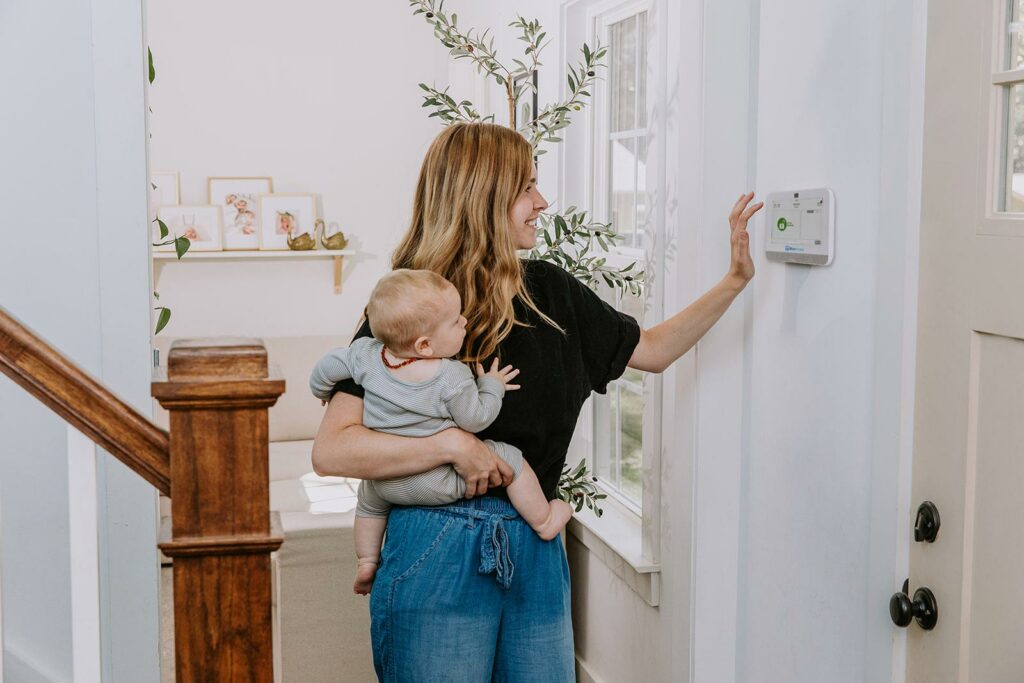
734 283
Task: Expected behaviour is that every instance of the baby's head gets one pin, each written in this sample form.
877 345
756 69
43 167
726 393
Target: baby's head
417 313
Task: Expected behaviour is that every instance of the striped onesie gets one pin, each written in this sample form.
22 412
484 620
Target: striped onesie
452 398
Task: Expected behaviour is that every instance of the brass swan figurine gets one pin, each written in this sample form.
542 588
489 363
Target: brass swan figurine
335 241
303 242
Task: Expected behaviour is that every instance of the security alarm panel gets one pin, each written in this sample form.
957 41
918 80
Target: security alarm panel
802 226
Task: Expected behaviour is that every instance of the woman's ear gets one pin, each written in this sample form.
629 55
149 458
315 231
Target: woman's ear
422 347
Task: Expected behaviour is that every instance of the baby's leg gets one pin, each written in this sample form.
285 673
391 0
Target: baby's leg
368 529
547 518
369 534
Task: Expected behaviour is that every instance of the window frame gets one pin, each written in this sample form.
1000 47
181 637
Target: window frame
996 220
626 532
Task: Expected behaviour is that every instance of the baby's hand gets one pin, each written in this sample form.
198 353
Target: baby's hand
504 375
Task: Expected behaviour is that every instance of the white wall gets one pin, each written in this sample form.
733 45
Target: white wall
793 413
318 95
75 268
821 460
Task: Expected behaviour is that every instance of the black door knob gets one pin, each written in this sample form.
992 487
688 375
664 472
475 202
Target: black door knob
923 607
926 525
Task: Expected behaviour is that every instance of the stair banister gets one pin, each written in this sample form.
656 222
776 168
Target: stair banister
84 403
215 461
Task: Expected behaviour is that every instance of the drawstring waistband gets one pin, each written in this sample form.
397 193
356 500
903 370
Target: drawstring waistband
494 551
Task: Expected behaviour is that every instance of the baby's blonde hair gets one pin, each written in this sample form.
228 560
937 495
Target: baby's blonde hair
405 305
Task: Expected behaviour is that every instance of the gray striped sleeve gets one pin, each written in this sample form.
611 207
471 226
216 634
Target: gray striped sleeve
474 404
337 365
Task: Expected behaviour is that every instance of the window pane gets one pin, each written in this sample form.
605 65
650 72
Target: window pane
641 67
1014 188
623 188
622 74
642 198
634 306
1016 42
632 419
606 435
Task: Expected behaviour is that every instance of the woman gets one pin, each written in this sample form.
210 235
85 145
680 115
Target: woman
467 591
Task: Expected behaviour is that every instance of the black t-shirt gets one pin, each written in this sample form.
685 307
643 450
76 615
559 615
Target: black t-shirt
557 372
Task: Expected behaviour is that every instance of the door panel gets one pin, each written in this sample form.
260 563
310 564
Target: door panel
969 399
993 593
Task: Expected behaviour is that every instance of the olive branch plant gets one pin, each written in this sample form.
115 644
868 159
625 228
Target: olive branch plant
569 239
181 244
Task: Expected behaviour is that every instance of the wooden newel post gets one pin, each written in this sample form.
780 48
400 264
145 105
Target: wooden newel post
218 394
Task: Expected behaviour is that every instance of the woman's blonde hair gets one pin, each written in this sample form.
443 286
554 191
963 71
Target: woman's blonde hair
470 178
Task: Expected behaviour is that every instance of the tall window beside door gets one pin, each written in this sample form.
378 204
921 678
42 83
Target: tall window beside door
1009 77
621 194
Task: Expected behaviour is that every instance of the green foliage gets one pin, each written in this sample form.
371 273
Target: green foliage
181 247
576 487
570 241
152 69
448 110
163 318
181 244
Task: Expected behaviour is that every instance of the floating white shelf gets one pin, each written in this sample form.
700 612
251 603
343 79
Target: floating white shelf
161 258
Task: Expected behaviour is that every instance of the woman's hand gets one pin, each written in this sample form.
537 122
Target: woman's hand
477 464
741 266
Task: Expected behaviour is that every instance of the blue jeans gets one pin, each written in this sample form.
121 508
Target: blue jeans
468 593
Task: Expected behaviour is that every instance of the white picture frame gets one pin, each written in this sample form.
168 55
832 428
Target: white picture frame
277 211
239 198
201 224
164 188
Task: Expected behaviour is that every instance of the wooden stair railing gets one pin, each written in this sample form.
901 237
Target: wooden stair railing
215 461
84 403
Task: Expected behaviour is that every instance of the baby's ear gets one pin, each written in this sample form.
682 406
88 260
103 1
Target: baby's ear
422 346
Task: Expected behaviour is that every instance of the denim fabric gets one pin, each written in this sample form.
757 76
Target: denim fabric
468 593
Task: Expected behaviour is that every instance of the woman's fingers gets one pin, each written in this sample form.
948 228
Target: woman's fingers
511 387
494 365
738 208
509 373
479 370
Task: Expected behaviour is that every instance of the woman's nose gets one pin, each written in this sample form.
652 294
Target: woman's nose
539 202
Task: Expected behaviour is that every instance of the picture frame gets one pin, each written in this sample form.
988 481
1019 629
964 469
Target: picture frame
164 188
239 198
281 212
201 224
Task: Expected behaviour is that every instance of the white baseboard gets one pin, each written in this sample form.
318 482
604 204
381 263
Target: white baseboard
23 669
584 674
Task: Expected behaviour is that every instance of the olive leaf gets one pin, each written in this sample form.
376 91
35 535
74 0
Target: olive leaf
163 318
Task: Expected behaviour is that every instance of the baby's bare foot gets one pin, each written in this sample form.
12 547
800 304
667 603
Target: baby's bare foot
558 517
365 572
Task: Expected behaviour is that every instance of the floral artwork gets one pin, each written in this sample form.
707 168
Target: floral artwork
238 199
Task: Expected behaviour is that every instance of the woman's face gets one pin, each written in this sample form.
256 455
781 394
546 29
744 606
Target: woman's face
523 216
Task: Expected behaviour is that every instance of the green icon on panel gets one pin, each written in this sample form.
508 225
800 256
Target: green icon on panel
782 224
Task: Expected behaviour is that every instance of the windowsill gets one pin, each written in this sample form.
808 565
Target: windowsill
615 539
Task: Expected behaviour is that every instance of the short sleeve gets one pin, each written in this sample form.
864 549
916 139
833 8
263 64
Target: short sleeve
607 337
349 386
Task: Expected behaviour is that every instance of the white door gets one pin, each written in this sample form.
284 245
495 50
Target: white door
969 411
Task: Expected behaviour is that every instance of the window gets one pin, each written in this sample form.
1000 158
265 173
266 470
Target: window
1011 80
620 196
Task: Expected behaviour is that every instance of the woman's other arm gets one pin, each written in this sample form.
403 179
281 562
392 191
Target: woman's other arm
663 344
344 447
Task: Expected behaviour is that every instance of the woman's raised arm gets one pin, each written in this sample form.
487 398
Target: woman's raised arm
345 448
663 344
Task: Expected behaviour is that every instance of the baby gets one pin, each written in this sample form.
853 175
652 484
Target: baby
413 388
